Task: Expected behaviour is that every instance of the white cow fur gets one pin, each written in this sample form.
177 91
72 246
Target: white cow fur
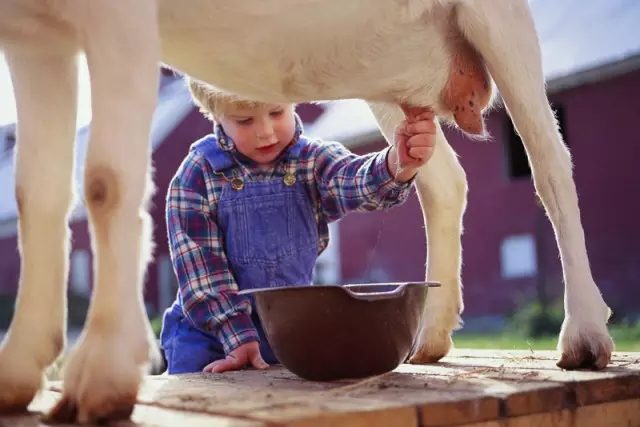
278 50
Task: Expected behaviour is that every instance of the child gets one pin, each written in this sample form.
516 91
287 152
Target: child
249 208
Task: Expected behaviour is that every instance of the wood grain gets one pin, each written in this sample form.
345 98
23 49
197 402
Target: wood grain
467 388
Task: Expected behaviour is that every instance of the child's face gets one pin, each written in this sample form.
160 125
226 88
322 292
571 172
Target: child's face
260 133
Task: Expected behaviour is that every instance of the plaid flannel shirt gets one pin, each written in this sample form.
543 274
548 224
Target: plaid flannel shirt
338 182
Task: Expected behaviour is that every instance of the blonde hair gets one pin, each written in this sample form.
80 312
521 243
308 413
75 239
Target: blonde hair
212 101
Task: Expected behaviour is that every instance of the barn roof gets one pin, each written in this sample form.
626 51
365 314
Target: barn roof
173 105
581 41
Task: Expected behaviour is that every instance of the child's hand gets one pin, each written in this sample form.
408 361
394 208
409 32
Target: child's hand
248 353
415 139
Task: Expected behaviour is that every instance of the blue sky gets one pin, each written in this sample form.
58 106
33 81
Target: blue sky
7 99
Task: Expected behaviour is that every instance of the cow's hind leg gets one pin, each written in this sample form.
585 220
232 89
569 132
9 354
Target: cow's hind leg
46 98
504 33
105 370
441 187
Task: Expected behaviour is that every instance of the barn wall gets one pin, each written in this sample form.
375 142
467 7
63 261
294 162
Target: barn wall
502 214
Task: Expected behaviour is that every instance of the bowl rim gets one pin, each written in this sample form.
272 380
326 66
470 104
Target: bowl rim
368 296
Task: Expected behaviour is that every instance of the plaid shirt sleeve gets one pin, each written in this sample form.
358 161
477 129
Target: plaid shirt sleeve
350 182
207 286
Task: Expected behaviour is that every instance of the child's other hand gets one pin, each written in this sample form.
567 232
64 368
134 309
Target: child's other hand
248 353
415 137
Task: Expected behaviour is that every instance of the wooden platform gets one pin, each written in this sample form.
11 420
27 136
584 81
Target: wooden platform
468 388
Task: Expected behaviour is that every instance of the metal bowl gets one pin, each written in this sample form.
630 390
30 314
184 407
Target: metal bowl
332 332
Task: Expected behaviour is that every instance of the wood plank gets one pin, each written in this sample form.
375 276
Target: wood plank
460 390
552 419
273 396
514 394
441 401
470 388
611 414
614 414
619 381
337 412
562 418
143 416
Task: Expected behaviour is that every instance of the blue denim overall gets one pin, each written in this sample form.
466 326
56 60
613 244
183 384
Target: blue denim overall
271 239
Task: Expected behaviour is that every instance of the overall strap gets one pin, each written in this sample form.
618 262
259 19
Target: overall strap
218 158
216 148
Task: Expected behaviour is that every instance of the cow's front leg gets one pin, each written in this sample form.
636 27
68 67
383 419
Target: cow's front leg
442 191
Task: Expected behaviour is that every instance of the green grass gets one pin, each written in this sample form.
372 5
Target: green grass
624 340
627 338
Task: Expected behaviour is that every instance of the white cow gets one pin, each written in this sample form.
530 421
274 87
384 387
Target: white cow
420 53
